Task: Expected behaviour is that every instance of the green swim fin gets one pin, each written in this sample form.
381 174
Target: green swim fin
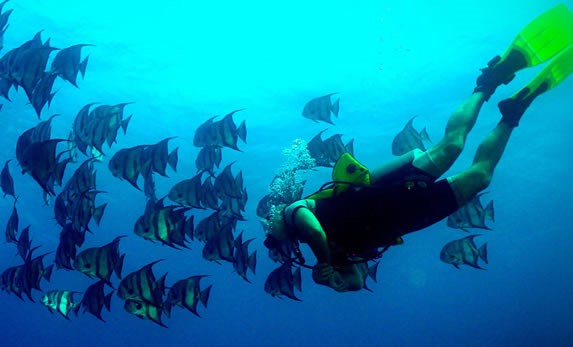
538 42
346 172
554 73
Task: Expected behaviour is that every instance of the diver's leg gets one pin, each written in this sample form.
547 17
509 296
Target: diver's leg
444 153
478 177
393 165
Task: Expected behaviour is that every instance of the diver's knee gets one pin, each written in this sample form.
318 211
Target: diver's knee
468 184
453 146
416 153
481 178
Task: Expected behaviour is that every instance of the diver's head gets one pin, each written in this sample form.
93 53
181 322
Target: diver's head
275 222
278 240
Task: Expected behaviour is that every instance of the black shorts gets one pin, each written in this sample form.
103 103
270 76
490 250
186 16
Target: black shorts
403 201
414 199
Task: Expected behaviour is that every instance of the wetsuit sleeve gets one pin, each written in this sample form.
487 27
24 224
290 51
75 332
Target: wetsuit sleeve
310 231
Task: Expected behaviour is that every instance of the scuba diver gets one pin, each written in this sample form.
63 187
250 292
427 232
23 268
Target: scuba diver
363 212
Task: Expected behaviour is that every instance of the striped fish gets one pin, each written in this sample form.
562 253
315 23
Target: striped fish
326 152
282 282
102 125
101 262
6 180
12 225
11 280
187 192
472 215
142 286
24 242
158 157
95 299
42 93
61 301
223 133
464 252
220 246
227 185
33 272
244 261
67 63
321 109
209 195
128 164
208 227
208 158
187 293
3 22
409 139
166 224
144 310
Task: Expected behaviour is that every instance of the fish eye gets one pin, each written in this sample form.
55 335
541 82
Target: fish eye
138 306
179 195
130 291
88 265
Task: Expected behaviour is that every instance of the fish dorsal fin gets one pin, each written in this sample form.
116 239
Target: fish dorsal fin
347 171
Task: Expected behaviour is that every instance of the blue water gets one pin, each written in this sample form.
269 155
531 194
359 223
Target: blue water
181 64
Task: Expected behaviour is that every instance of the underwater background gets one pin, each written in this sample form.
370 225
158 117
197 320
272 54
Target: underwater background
182 62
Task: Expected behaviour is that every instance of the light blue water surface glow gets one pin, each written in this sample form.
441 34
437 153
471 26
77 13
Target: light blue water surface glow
181 62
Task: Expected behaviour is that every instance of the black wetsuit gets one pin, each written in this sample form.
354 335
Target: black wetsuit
406 200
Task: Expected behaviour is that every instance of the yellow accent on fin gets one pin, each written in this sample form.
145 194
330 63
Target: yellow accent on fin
555 72
346 172
545 36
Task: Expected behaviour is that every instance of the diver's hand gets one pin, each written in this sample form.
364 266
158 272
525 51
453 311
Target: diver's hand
323 273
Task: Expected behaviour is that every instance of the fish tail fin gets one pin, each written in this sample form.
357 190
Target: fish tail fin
50 97
28 293
107 301
335 107
48 273
167 308
349 147
424 135
489 212
125 123
161 284
204 295
242 131
252 263
119 265
82 66
98 213
373 271
482 252
297 279
173 158
189 226
76 308
59 171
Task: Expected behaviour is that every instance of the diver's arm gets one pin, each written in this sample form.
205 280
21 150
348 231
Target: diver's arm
310 231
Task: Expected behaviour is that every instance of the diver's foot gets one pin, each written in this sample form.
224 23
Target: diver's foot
499 72
512 109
